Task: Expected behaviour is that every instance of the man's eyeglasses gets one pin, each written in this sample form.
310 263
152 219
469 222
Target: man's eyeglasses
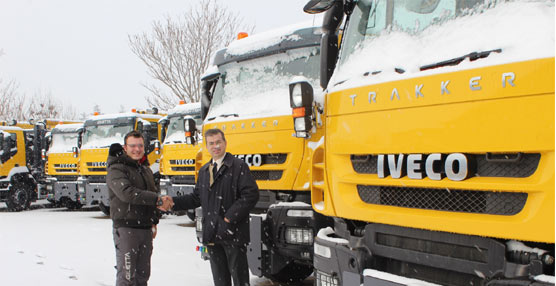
135 145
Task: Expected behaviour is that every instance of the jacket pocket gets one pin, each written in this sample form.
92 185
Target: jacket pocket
225 231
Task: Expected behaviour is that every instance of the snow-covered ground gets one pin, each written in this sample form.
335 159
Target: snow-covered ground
53 246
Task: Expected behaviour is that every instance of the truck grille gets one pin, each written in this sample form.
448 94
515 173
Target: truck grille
488 165
467 201
66 178
183 180
96 179
181 169
267 175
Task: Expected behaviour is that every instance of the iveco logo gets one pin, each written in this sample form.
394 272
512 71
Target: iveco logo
435 166
251 159
98 164
185 162
66 166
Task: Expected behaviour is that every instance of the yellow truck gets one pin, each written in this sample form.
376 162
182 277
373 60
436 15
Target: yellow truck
177 162
99 132
245 94
437 161
21 165
62 165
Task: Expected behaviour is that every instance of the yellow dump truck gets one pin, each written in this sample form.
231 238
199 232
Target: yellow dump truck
245 94
437 163
62 165
177 163
21 165
101 131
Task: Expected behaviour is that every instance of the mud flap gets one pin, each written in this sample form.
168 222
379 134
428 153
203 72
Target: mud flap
254 248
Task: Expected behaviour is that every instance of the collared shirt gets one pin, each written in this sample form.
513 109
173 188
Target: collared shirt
218 162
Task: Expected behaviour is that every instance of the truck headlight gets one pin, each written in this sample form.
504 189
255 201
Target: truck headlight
297 99
324 279
296 235
300 213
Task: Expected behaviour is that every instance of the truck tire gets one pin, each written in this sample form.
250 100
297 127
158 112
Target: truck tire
291 274
104 209
20 197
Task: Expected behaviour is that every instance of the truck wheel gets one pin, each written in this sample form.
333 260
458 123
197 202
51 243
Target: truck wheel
19 198
104 209
292 273
71 205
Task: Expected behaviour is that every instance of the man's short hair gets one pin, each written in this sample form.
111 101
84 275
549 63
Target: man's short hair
134 134
215 131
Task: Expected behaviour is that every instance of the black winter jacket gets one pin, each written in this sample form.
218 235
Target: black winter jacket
233 195
132 191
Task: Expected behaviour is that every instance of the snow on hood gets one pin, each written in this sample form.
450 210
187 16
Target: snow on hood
67 127
524 30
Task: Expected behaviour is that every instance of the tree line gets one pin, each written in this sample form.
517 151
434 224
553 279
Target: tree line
176 52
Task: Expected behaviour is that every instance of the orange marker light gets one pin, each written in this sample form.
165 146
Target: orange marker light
242 35
134 110
182 102
188 134
96 113
298 112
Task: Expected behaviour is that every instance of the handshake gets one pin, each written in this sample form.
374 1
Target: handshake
165 203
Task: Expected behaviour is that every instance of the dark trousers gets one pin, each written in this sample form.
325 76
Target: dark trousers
134 248
229 260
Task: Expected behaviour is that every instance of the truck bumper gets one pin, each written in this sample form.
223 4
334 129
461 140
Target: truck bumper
174 190
91 194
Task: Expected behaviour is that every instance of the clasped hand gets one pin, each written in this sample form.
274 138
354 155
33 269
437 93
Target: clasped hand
167 203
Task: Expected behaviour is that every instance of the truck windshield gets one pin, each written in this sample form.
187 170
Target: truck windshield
102 136
63 142
384 35
259 87
176 133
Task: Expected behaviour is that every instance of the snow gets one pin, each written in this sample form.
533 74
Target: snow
395 278
68 127
324 235
188 108
315 145
544 278
524 30
514 245
52 246
269 38
125 114
291 204
319 205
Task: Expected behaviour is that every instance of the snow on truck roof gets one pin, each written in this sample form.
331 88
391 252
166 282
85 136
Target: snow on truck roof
10 128
67 128
123 115
182 109
274 41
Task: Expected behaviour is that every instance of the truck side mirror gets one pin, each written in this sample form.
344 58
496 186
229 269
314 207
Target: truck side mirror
190 130
301 102
157 147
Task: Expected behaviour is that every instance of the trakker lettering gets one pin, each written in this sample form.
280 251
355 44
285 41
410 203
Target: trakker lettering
507 79
455 166
251 159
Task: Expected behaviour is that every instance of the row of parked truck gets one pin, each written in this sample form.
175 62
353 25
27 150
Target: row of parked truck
408 151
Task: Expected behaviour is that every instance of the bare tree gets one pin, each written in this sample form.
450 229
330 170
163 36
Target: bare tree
43 105
178 52
8 94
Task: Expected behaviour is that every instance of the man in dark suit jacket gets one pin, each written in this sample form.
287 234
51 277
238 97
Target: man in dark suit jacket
227 192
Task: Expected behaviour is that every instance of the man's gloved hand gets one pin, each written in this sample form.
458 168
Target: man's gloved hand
116 150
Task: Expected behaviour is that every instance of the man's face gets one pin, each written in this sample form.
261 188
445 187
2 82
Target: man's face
216 146
134 148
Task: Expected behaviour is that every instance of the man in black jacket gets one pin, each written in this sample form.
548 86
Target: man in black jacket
134 198
227 192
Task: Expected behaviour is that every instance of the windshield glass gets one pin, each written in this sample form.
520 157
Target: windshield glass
102 136
384 37
175 132
63 142
259 87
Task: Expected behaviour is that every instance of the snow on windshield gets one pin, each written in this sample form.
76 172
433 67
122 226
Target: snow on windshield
102 136
259 87
524 30
63 142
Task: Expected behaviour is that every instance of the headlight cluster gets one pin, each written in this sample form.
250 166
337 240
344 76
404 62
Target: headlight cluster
301 102
295 235
324 279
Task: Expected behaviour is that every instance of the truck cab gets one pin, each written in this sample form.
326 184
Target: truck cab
101 131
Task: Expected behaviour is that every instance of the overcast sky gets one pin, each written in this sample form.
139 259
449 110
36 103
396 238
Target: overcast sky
79 51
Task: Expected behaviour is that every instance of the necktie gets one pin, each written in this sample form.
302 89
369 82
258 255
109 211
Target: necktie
212 172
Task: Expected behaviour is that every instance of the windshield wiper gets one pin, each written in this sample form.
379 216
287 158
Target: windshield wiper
453 62
224 115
